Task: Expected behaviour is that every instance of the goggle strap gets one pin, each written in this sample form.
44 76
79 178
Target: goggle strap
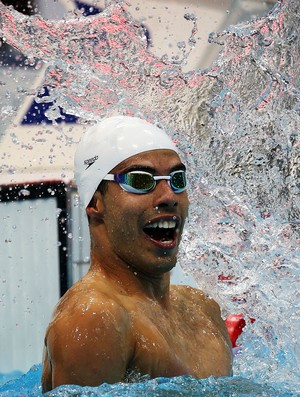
112 177
109 177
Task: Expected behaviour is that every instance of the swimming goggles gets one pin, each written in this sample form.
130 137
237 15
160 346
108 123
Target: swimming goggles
141 182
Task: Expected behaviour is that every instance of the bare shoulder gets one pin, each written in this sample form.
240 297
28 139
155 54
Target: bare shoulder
195 299
195 296
84 339
87 305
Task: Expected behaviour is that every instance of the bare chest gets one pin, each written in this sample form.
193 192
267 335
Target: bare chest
181 342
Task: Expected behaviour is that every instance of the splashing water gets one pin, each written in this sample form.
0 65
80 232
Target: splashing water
29 385
237 124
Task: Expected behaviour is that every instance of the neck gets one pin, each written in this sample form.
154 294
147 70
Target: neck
125 277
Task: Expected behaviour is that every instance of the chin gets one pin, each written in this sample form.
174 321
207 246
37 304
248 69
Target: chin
166 264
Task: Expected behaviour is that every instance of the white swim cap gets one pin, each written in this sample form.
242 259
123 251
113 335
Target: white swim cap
107 144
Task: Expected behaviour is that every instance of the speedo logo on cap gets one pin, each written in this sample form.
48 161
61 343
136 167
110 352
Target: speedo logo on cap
90 162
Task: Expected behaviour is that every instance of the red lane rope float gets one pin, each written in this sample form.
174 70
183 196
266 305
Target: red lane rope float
235 324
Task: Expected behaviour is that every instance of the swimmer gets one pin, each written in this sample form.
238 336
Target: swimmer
123 318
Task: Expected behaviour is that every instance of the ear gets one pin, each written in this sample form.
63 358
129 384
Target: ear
95 209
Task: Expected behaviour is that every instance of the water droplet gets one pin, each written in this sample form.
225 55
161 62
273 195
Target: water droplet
58 212
24 192
14 138
190 17
181 44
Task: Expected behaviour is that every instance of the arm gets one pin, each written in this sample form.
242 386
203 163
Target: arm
87 347
47 373
221 338
213 311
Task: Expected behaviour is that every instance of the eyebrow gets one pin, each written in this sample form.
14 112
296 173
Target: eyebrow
151 170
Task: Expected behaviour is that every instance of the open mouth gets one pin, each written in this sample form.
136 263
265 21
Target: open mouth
162 231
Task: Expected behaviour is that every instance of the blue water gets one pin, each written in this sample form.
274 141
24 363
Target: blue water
29 385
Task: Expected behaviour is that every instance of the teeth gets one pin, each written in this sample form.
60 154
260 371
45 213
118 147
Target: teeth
162 225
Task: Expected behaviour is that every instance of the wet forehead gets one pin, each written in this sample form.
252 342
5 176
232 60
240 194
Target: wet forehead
159 160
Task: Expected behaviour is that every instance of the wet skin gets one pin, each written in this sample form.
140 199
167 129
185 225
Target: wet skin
124 316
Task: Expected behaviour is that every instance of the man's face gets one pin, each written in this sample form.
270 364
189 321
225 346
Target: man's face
144 230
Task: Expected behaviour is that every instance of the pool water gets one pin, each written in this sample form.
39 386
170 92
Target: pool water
29 385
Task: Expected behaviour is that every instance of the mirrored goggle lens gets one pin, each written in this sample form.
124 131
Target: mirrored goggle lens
178 181
142 182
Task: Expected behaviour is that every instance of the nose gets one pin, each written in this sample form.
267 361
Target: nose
164 196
